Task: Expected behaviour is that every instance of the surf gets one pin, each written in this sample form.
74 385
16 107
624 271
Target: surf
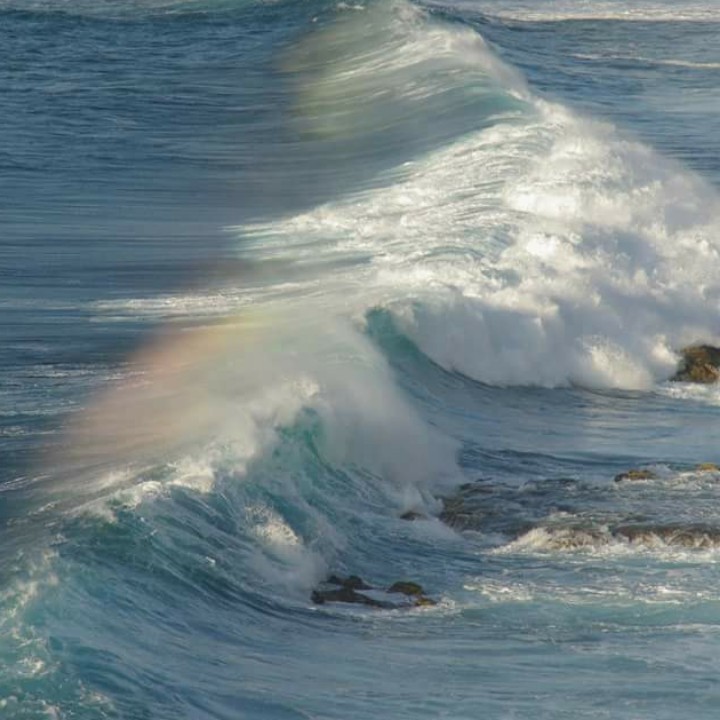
455 280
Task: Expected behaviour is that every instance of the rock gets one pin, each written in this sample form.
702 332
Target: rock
456 515
347 595
413 590
707 467
700 364
497 509
406 588
353 582
574 536
636 475
345 590
348 590
695 536
413 515
424 601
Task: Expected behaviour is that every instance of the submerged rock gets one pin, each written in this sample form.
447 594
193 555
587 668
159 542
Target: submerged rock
698 536
592 536
354 589
459 512
406 588
413 515
346 595
424 601
499 509
700 364
352 582
643 474
577 536
346 590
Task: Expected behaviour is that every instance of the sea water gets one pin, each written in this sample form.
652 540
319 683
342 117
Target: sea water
275 273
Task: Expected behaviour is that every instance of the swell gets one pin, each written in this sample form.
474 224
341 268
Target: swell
260 443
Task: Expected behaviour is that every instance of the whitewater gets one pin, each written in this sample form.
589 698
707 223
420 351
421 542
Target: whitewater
293 289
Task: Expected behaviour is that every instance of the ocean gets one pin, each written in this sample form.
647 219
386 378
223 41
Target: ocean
299 288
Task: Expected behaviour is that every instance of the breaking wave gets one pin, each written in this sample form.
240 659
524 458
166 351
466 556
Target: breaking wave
530 246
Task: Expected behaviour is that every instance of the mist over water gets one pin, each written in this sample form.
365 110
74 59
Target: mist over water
276 274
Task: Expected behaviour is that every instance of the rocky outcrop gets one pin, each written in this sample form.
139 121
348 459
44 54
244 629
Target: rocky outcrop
467 509
529 517
411 590
642 474
406 588
355 590
346 595
412 515
700 364
695 536
588 536
353 582
639 474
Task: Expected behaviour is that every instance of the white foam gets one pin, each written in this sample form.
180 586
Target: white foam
281 557
707 394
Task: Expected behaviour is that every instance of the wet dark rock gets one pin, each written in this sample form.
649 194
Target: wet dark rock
591 535
411 590
354 589
460 519
346 590
698 536
572 536
406 588
699 364
498 509
412 515
346 595
352 582
424 601
475 488
631 475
